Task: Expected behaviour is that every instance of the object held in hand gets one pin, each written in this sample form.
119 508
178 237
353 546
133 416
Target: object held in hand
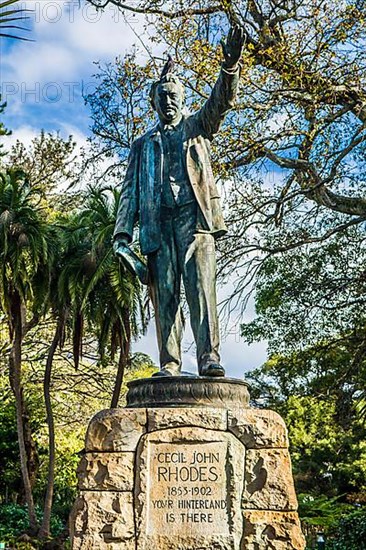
132 262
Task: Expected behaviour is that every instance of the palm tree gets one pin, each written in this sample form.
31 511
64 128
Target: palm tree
60 307
89 285
9 20
69 276
112 298
25 249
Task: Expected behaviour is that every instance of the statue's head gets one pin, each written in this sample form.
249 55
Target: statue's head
167 95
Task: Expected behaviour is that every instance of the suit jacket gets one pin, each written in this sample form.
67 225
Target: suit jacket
141 189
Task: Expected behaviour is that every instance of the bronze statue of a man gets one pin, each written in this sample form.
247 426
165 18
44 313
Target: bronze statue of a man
169 187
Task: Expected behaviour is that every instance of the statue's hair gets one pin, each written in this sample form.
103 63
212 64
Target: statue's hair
169 77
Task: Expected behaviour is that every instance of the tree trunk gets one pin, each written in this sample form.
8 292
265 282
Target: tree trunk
32 453
15 376
123 359
45 530
30 447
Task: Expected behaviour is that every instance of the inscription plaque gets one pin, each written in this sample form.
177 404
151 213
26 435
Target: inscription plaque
187 489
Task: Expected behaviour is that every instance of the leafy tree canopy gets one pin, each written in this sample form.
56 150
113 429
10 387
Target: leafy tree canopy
292 153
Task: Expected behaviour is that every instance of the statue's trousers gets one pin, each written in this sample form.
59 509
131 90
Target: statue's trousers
187 253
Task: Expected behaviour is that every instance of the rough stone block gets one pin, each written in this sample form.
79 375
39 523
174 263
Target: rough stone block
103 520
116 430
211 419
204 478
172 542
268 483
272 531
258 428
188 487
106 471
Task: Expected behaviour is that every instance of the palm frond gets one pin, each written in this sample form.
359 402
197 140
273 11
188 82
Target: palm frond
9 16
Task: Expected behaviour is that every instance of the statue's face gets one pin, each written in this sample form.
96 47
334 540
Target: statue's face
169 98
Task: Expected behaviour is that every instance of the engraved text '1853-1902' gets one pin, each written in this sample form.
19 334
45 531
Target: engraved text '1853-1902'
187 488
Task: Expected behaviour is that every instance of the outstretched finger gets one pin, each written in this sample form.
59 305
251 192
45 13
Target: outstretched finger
230 35
238 33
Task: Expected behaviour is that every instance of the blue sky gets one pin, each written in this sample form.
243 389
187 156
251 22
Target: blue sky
43 83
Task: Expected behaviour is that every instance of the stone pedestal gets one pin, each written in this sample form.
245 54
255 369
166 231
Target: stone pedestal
213 475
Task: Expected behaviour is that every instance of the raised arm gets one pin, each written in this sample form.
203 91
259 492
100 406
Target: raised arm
223 94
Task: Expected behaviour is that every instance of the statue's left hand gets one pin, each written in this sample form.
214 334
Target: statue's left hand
233 47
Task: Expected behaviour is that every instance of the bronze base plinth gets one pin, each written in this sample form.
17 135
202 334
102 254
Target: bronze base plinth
187 391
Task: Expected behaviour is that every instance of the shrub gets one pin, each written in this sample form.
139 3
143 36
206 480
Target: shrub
14 521
350 533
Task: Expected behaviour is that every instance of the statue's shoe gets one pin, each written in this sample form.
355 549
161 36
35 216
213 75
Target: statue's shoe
212 369
169 370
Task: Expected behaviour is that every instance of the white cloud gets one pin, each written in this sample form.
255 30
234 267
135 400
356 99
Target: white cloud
24 134
68 40
42 62
79 137
105 36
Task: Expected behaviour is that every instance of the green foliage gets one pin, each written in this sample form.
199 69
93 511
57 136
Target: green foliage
14 521
69 443
60 266
321 511
51 164
111 297
10 482
3 130
350 533
77 396
26 240
16 545
327 440
310 309
325 454
311 295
